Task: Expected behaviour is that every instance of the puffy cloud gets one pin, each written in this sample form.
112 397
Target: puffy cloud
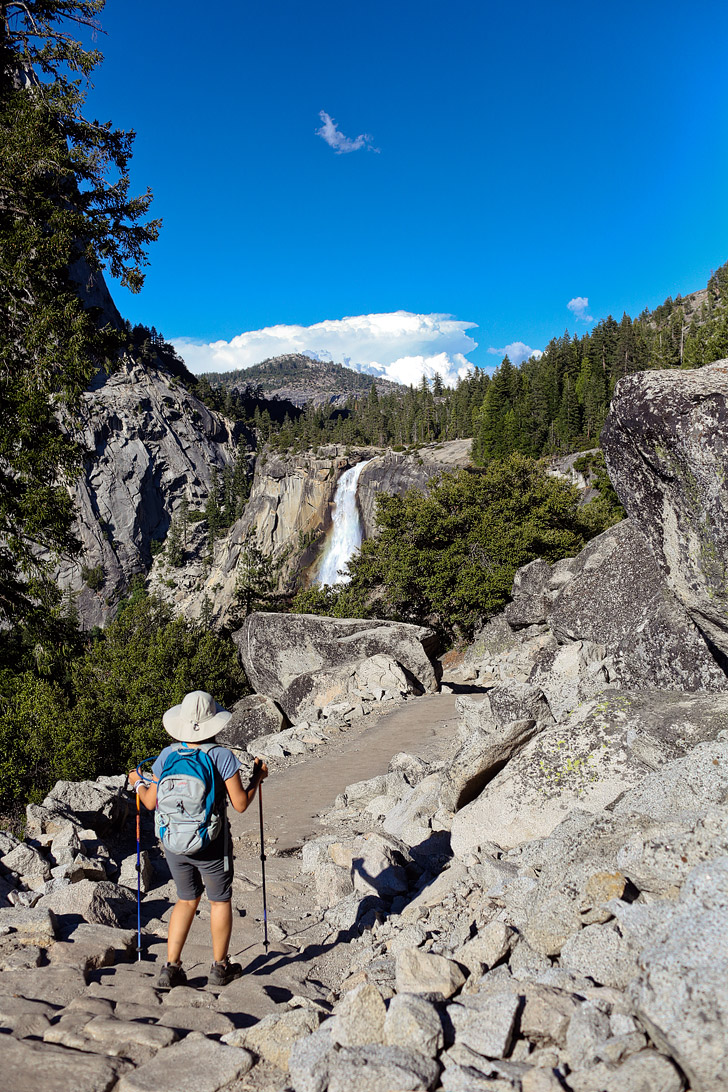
516 352
341 144
579 307
399 345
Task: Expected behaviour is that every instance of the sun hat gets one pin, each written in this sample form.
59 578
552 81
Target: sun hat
198 717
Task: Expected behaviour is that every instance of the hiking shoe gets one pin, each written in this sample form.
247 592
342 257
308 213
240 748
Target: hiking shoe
171 975
223 972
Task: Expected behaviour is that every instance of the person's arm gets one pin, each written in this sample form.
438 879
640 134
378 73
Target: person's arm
147 794
239 796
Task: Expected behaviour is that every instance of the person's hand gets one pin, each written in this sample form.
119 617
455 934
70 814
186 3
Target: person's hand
132 777
260 770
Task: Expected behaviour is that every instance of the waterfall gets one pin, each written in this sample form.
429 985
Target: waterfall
346 532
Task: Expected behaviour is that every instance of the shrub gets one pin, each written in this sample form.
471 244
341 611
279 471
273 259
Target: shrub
108 714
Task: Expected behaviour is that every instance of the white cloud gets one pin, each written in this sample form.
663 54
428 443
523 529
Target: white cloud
336 139
579 307
516 352
398 345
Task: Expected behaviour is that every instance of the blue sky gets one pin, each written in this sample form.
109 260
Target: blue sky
511 161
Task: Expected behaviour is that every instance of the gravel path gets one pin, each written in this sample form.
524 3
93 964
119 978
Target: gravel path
296 793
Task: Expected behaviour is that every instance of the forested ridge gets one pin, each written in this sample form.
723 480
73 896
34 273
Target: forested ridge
548 405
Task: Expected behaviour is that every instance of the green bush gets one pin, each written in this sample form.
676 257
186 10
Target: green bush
108 713
93 577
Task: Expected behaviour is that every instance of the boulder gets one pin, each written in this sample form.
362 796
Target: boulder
666 446
657 860
487 1030
410 819
340 691
8 841
276 745
60 1069
30 926
481 756
253 716
97 805
102 903
571 673
92 950
618 598
604 749
517 701
273 1036
27 861
196 1063
530 588
374 864
308 1060
600 952
647 1071
415 1023
681 992
44 824
359 1017
276 648
488 947
685 787
381 1069
128 875
422 972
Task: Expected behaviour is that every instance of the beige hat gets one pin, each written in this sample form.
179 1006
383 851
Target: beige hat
198 718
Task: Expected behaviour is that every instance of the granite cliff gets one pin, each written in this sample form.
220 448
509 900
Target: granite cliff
151 444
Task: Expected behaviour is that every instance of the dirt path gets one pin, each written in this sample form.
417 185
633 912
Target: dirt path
293 797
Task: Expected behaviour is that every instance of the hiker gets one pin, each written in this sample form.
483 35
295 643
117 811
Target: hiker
201 854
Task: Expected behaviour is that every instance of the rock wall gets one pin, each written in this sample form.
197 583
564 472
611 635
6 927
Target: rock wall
151 444
666 445
288 516
395 472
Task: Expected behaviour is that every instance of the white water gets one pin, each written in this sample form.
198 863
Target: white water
345 538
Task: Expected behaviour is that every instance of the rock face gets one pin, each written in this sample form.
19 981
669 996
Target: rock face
395 472
586 761
154 445
666 445
254 715
285 655
617 597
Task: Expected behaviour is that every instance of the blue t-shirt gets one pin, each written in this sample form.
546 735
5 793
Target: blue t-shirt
223 760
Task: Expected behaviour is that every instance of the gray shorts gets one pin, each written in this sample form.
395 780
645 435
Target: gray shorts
206 871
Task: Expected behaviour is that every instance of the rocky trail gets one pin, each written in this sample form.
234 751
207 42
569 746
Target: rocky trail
298 791
518 887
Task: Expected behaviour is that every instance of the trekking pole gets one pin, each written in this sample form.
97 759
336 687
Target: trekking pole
139 876
145 780
262 867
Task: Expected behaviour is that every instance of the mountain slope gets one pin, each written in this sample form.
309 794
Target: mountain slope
300 379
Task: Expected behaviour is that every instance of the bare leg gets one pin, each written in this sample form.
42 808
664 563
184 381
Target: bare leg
221 926
179 926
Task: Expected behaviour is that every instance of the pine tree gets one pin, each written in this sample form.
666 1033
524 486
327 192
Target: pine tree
66 213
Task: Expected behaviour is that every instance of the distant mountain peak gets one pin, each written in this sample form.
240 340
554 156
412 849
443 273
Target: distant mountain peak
301 378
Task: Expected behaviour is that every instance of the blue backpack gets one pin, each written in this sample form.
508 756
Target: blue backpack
188 817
